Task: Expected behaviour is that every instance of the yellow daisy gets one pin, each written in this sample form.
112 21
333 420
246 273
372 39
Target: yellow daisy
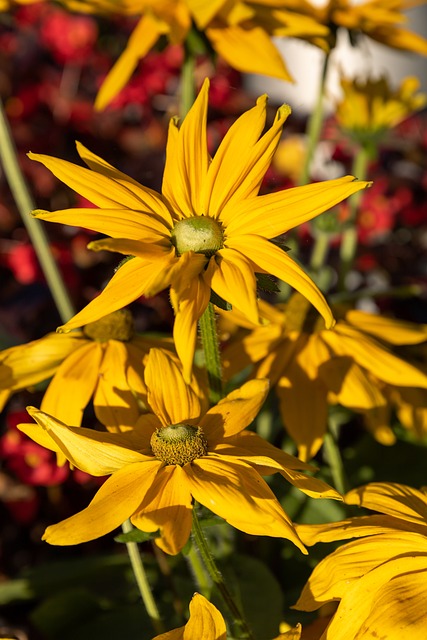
238 30
177 454
103 362
347 365
207 230
379 580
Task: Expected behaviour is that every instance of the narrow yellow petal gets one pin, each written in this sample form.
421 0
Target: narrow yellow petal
394 499
170 398
237 493
350 385
234 281
269 258
73 385
389 329
115 502
205 620
235 412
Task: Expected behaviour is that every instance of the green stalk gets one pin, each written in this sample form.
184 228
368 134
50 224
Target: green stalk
188 91
25 204
334 458
200 574
210 343
348 246
315 123
217 579
142 581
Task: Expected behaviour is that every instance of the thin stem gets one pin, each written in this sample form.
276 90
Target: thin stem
315 123
334 458
25 204
210 343
348 246
187 84
202 545
202 578
142 581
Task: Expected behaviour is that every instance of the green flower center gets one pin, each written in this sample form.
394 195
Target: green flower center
116 326
179 444
199 234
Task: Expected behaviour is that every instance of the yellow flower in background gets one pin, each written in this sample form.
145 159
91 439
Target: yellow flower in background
238 30
381 20
347 365
205 622
369 108
208 230
103 362
379 580
174 455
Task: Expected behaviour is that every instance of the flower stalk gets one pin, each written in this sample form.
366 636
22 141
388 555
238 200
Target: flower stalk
210 343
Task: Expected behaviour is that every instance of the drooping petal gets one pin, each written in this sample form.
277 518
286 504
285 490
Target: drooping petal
234 281
143 37
115 502
170 398
73 385
394 499
237 493
235 412
185 170
98 453
276 213
313 487
29 364
158 249
167 506
205 621
133 279
349 384
389 329
269 258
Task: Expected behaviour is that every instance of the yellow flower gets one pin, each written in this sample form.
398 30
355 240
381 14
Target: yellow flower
238 30
369 108
380 20
205 622
104 361
378 580
207 230
346 365
177 454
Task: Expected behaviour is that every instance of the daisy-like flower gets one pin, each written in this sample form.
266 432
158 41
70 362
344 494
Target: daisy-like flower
347 365
103 361
379 580
174 455
238 30
370 108
208 230
380 20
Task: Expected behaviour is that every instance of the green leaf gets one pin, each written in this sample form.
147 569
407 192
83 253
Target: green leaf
137 536
220 302
266 283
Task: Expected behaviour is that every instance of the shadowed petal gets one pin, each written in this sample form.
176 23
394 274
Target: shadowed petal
389 329
115 502
234 280
395 499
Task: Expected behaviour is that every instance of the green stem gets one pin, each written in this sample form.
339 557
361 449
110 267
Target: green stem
188 91
209 562
348 246
334 458
142 581
315 123
210 343
202 578
25 204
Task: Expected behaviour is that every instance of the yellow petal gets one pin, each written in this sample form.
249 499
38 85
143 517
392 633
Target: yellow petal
234 281
96 452
203 12
143 37
393 331
205 621
115 502
167 506
148 250
169 397
276 213
350 385
250 50
235 412
394 499
237 493
269 258
73 385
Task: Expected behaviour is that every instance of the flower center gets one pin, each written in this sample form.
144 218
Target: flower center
179 444
116 326
199 234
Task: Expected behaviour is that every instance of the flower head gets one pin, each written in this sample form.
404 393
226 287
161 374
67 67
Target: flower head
177 454
103 362
350 365
379 579
208 230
